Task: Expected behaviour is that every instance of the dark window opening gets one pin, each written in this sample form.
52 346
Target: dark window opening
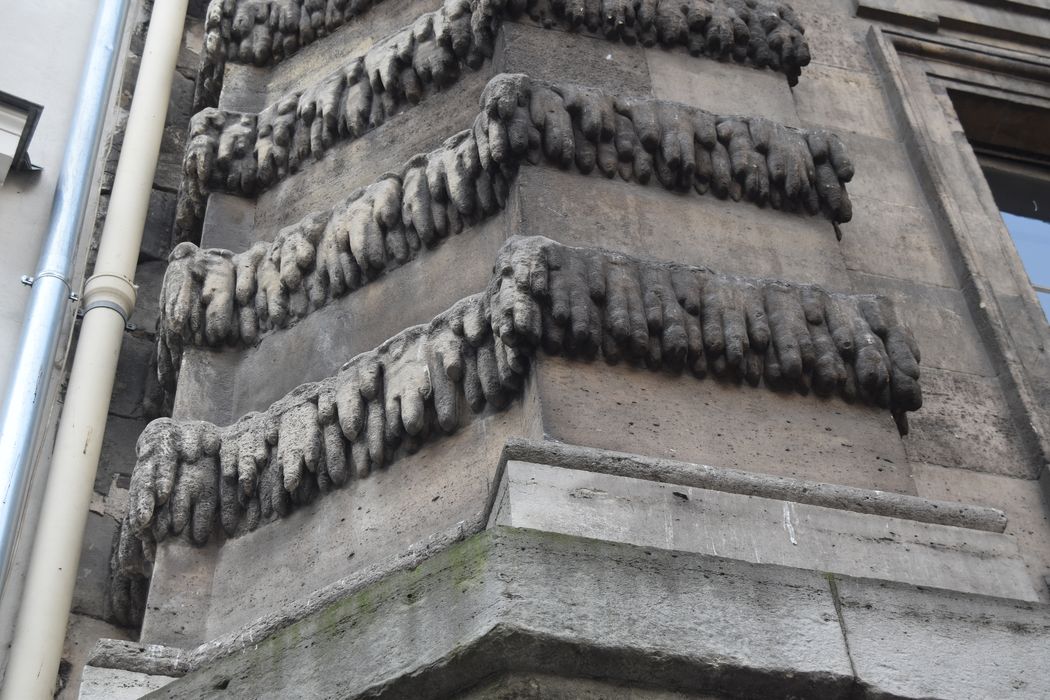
1012 143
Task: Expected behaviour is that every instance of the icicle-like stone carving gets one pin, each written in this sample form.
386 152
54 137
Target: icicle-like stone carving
575 302
214 297
765 33
639 138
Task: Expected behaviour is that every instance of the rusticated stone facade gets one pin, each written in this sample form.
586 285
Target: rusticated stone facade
464 332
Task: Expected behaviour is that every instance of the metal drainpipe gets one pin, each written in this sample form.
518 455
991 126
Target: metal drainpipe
109 298
26 399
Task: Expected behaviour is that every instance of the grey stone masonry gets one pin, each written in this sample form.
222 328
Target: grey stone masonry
526 601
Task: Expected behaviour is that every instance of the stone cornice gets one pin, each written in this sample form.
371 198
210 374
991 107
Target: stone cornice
214 297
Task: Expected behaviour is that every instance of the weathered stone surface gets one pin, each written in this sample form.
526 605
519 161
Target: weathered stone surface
149 278
359 162
527 602
81 635
129 386
575 302
215 297
714 423
245 83
518 600
1022 499
89 594
160 221
540 686
910 642
896 241
844 100
366 524
883 170
318 345
966 423
118 450
942 320
765 33
653 222
681 518
835 36
115 684
521 118
544 55
748 483
229 223
723 88
1032 26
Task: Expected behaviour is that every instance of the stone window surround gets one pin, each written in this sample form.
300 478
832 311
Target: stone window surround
914 68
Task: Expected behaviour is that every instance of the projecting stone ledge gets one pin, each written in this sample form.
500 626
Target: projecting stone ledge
512 601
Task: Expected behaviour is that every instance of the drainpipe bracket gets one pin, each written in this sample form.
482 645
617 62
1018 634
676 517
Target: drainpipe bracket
110 291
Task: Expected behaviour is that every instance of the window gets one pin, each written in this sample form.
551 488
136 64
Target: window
1022 192
1012 143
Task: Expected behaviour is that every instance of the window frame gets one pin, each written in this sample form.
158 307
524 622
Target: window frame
918 70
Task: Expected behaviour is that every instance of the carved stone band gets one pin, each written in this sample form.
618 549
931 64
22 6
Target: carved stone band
214 297
763 32
568 125
576 302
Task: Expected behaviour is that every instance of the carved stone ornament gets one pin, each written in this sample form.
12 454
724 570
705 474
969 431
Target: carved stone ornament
261 32
214 297
566 125
579 303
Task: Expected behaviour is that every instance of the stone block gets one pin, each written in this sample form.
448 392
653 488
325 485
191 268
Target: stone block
649 221
160 218
908 642
718 423
543 54
523 600
168 175
149 278
247 88
374 519
1022 499
883 170
229 222
118 450
206 385
835 36
966 422
320 343
839 100
721 87
81 635
89 594
179 594
544 686
351 164
898 241
117 684
940 319
129 386
180 102
681 518
370 523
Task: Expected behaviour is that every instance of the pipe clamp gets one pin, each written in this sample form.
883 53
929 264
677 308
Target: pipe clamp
110 291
